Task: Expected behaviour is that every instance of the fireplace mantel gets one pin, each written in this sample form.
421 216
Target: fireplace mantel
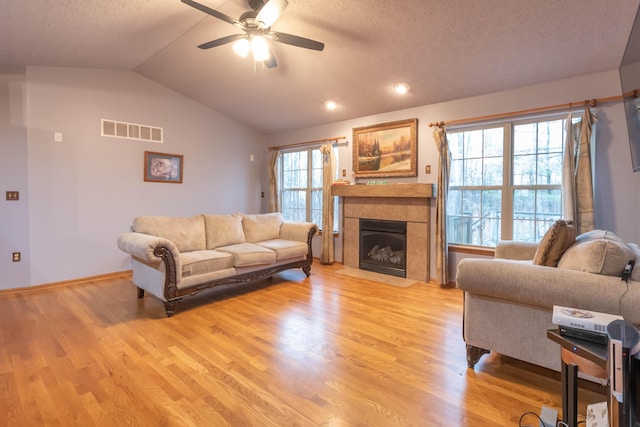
411 190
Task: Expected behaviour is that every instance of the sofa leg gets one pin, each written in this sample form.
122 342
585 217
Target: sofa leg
170 306
307 270
140 293
474 354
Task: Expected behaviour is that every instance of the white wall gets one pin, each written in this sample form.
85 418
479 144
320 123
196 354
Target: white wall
617 187
84 191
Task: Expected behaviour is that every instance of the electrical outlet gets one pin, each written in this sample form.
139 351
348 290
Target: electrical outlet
13 195
427 169
16 257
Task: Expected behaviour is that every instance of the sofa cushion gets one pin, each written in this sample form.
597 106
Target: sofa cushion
258 228
223 230
597 251
200 262
555 241
286 249
248 254
188 234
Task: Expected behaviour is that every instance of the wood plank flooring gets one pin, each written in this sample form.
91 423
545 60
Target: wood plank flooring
328 350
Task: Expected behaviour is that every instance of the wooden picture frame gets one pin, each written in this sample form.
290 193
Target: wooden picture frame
163 167
386 150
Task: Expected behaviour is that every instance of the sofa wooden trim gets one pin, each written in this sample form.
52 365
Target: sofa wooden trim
174 295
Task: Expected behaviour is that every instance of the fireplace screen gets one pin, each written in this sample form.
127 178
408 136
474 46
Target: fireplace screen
383 246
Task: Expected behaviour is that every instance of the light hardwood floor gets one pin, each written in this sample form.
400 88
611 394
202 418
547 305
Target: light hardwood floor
328 350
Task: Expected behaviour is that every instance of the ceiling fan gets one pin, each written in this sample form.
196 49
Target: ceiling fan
256 25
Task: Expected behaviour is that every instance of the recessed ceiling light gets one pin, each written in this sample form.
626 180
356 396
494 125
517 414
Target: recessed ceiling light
401 88
330 105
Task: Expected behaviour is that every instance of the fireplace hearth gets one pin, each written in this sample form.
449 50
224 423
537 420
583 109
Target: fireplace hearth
383 246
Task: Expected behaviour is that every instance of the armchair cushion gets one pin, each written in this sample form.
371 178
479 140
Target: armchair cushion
555 241
598 251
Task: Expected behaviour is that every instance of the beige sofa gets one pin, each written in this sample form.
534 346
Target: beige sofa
173 257
508 300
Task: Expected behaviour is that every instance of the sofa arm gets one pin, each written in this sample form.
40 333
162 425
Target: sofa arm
143 246
512 249
524 283
299 231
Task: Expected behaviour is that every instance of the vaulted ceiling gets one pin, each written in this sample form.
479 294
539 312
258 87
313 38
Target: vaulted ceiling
444 49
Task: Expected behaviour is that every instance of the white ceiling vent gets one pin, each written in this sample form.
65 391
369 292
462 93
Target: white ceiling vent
135 131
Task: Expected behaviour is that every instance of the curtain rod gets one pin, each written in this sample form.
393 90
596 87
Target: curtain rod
302 144
589 102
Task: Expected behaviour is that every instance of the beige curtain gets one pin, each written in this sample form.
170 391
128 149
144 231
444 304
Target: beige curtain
274 200
328 172
442 265
577 184
569 169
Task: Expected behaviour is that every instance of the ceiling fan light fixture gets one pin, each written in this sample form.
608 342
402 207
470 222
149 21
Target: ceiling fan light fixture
401 88
271 11
260 48
256 25
242 47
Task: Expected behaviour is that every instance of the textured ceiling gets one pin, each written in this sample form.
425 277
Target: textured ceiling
444 49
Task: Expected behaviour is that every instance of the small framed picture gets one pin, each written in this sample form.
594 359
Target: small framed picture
163 167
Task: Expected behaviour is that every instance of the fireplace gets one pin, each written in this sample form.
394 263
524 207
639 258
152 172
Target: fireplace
408 202
383 246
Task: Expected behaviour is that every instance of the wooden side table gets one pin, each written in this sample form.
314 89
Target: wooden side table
577 354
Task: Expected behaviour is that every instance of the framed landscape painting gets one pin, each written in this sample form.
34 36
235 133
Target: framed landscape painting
385 150
163 167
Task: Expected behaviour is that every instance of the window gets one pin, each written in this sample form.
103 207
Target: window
301 186
505 181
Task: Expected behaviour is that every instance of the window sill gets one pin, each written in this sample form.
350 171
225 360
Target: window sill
334 234
473 250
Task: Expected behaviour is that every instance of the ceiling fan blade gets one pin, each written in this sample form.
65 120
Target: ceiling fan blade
271 11
212 12
296 41
271 62
221 41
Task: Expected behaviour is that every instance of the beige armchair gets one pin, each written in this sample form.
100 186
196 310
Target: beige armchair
508 300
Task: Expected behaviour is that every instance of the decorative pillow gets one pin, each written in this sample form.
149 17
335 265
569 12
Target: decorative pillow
555 241
261 227
599 252
223 230
187 233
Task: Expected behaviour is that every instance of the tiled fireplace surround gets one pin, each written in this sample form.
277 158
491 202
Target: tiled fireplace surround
396 202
